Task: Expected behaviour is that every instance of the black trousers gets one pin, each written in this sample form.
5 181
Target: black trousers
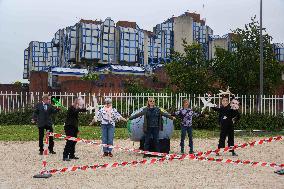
41 136
226 130
69 149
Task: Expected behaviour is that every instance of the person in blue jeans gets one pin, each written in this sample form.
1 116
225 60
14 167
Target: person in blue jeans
108 116
153 123
186 114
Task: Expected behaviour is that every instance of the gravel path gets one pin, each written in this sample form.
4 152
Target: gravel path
20 161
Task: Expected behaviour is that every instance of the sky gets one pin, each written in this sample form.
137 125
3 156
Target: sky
22 21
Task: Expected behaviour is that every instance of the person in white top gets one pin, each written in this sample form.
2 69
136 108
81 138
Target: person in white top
108 116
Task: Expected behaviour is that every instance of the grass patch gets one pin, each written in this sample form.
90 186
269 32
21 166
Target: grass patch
30 133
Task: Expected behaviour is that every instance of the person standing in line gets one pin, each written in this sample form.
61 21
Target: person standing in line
153 123
42 116
71 128
227 117
186 114
108 116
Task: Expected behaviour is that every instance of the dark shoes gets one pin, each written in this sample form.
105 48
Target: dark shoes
73 157
105 154
191 152
234 154
66 159
182 151
51 152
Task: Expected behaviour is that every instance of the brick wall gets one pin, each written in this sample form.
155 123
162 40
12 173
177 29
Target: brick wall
39 82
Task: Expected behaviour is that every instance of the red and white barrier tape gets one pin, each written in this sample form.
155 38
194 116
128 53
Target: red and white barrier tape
45 151
206 153
161 160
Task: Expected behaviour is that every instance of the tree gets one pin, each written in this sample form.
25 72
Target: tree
189 71
18 83
240 68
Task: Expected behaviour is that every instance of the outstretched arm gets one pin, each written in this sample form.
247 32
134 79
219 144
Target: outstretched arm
167 115
137 115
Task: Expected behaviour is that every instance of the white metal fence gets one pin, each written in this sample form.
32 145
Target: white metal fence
126 103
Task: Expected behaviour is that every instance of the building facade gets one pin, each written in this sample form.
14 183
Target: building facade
89 43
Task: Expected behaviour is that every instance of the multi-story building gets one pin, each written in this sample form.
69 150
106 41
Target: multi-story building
98 43
279 51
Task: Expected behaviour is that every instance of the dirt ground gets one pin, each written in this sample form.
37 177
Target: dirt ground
20 161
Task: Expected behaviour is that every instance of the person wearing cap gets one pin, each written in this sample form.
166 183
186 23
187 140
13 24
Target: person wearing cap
108 116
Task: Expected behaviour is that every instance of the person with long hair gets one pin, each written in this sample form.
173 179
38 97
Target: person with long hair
153 123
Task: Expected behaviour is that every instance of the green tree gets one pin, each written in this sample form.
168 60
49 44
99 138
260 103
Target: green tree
189 71
240 68
90 77
17 83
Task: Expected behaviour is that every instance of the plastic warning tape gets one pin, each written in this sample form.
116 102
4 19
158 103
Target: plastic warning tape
162 160
206 153
45 151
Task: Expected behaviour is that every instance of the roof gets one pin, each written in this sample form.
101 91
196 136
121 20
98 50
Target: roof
68 71
279 45
126 24
118 69
97 22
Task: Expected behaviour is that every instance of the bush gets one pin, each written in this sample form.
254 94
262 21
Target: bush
247 122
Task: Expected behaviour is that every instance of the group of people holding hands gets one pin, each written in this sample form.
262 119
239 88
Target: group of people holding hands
153 123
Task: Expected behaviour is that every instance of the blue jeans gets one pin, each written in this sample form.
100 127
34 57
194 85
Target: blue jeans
107 136
152 132
183 134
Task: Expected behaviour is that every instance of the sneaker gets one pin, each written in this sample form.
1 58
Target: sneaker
52 152
146 155
105 154
234 154
191 152
110 154
66 159
73 157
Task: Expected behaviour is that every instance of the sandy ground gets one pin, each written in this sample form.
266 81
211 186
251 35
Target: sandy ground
20 161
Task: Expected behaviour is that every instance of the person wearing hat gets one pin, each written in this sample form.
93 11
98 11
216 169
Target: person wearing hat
108 116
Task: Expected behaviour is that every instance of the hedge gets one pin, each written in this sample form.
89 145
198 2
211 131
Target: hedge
247 122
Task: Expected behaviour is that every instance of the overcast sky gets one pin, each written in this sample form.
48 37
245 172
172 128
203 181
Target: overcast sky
22 21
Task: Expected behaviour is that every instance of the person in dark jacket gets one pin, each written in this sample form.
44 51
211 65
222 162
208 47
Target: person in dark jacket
71 128
186 114
42 116
227 117
153 123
